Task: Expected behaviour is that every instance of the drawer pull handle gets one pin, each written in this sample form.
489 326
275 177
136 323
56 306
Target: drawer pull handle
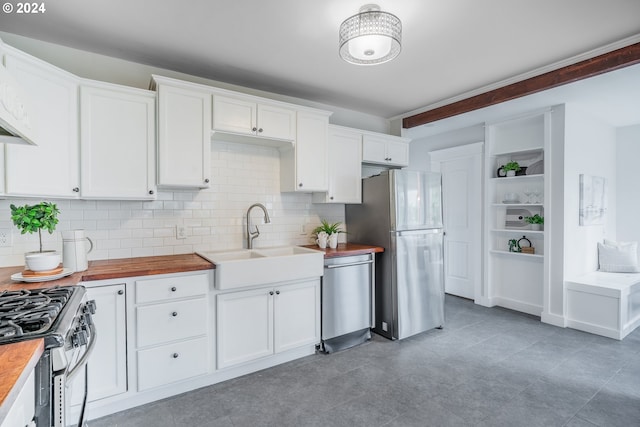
173 289
174 314
175 355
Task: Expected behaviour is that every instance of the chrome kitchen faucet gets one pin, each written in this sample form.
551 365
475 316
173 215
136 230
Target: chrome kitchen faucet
253 235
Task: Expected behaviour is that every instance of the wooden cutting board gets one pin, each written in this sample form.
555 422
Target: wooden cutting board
31 273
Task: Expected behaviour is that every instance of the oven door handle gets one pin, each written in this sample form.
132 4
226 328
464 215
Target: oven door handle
92 342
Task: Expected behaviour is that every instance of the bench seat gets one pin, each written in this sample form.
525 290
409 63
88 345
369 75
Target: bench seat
606 304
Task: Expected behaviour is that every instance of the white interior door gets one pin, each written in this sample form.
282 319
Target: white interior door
461 169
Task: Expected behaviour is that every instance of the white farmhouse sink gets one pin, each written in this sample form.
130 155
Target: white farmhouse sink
250 267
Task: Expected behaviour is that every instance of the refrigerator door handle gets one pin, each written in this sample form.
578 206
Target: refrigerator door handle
417 232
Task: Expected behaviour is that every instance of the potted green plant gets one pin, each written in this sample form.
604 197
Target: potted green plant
511 168
327 232
536 221
35 218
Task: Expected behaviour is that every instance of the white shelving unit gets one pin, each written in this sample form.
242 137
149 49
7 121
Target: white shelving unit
515 280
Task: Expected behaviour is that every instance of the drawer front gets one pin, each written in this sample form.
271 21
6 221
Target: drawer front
159 323
172 362
168 288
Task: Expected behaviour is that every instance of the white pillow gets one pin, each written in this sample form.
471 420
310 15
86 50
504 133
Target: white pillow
618 257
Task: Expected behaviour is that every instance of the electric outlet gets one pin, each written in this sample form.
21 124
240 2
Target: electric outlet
5 237
181 232
384 326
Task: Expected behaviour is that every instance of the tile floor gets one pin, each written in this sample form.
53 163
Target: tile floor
487 367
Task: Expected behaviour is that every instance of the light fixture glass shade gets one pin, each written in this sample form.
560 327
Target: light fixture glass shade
370 37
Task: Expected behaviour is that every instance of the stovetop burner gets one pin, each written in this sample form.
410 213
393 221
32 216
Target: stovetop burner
31 313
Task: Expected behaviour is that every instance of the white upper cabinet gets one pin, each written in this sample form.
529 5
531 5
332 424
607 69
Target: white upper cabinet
184 135
246 116
50 169
385 150
117 137
304 168
344 167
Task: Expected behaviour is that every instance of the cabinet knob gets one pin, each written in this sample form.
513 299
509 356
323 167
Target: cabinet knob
277 292
260 130
206 180
173 289
76 190
175 355
174 314
331 198
300 185
270 292
390 159
253 129
120 292
150 191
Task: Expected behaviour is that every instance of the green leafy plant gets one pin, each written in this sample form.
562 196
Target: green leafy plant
328 228
536 219
511 166
30 219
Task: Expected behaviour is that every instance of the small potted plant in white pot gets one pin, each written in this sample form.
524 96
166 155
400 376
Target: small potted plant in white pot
511 168
536 221
32 218
330 230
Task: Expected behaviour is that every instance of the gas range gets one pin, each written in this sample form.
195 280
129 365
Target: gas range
47 313
62 317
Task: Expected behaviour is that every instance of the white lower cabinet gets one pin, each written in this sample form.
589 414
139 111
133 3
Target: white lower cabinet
162 335
260 322
171 362
172 333
107 367
23 410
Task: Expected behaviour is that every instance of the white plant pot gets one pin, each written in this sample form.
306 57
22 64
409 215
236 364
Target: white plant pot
333 241
42 261
536 227
511 173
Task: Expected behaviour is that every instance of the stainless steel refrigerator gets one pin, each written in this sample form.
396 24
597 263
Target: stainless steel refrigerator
402 212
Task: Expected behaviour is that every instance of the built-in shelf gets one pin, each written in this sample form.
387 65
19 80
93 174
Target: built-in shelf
536 257
533 205
517 231
532 150
524 139
517 177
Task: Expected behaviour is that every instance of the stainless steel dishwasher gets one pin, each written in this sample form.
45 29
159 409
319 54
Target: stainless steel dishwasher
347 301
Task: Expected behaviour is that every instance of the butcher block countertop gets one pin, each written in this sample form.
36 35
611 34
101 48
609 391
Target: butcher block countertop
348 249
16 363
114 269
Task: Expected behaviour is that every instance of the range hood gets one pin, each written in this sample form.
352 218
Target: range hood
15 122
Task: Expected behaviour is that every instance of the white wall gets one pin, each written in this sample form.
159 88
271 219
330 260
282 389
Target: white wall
419 148
590 148
628 178
214 218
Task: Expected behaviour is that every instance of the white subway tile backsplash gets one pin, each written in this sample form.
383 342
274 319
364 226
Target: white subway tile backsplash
215 218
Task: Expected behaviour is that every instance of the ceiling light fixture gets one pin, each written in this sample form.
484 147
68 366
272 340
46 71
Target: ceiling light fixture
371 37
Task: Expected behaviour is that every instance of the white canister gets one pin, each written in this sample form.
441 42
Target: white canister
75 247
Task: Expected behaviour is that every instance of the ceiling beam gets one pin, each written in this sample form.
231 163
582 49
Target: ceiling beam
600 64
